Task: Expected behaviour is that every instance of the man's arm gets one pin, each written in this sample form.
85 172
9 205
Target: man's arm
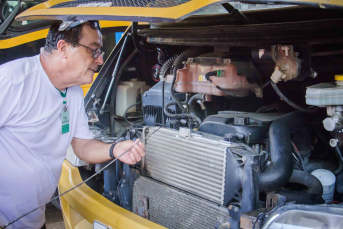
93 151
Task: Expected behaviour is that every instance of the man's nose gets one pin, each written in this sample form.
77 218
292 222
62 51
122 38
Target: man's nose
100 60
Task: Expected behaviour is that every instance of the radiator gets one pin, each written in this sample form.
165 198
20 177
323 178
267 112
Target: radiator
195 163
175 209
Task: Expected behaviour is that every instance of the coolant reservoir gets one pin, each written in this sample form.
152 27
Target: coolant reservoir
128 94
192 79
326 94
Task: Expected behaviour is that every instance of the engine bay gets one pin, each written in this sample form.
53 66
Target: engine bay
248 129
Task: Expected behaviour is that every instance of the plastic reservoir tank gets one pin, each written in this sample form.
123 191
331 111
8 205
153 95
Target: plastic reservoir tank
128 94
192 79
326 94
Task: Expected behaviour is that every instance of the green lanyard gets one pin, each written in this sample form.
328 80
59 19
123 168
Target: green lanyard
64 95
64 113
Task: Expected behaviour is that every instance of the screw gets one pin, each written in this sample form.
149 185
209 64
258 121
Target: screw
122 186
124 173
93 96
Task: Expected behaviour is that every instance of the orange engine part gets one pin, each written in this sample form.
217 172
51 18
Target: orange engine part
191 79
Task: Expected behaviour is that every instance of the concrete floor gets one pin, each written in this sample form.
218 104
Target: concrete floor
53 217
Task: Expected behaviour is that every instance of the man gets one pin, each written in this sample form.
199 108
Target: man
42 113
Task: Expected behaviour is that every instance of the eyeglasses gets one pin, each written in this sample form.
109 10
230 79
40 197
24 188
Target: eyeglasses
96 52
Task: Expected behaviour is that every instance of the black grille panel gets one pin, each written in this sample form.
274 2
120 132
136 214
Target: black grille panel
126 3
153 115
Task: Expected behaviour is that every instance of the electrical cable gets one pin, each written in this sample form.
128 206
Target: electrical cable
180 115
97 173
127 109
289 102
216 73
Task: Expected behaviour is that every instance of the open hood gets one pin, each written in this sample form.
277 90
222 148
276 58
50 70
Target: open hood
152 11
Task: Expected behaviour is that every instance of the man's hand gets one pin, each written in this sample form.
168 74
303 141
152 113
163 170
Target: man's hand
131 157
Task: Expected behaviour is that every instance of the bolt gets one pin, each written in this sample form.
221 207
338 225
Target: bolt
122 186
124 173
333 142
93 96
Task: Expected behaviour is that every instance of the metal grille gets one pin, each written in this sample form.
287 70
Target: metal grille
124 3
156 113
194 164
175 209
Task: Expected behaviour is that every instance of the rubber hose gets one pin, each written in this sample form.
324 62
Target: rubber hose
166 66
179 115
280 169
313 194
289 102
127 109
192 102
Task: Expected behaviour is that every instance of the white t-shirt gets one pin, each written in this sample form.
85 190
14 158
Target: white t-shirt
32 146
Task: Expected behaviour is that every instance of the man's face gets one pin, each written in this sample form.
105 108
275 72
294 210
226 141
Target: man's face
80 61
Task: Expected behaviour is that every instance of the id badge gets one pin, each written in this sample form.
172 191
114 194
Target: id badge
65 121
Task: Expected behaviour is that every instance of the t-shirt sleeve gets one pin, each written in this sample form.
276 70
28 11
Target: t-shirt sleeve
9 101
82 129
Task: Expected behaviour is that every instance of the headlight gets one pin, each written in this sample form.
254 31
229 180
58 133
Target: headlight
306 217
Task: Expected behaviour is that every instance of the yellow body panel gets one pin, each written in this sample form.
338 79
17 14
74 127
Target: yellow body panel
29 37
145 14
142 14
86 87
83 205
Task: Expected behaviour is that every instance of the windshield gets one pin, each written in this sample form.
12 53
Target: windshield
7 7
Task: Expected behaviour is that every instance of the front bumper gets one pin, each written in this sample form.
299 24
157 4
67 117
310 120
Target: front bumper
81 206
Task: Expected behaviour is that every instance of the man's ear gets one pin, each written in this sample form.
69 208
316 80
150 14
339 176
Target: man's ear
63 48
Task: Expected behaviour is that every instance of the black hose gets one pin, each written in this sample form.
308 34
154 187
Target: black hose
127 109
114 90
168 64
180 115
313 194
289 102
280 170
192 102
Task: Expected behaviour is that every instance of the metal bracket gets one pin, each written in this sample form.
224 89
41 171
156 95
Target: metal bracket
142 209
185 132
273 200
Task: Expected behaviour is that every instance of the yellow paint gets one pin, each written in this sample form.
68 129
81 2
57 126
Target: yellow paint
86 87
173 13
83 205
29 37
26 38
339 77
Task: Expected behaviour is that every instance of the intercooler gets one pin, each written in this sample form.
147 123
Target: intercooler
175 209
192 162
